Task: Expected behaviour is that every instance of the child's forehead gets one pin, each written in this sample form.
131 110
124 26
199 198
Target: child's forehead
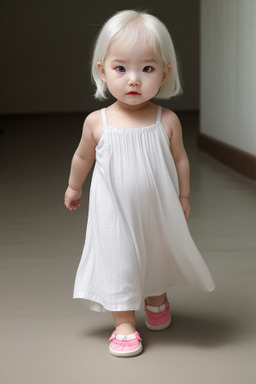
126 48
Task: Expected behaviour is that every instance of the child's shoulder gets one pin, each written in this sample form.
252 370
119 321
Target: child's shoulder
93 119
93 125
169 117
170 122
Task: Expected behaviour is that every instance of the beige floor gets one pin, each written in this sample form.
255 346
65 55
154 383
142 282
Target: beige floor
46 337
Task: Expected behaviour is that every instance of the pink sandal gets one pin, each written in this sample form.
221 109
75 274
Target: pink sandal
158 318
125 345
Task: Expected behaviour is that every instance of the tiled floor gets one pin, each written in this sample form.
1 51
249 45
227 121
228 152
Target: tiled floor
46 337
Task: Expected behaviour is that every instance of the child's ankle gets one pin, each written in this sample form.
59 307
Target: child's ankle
125 329
156 301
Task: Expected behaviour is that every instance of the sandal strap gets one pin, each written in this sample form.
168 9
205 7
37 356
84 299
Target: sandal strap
159 309
132 336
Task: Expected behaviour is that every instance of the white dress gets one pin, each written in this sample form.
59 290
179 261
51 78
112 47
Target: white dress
137 239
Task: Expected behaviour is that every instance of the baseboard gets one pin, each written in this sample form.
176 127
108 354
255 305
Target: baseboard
240 161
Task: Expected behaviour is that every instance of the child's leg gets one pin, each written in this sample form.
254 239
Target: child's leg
125 322
156 301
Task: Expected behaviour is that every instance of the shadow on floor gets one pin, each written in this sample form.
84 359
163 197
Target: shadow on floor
185 330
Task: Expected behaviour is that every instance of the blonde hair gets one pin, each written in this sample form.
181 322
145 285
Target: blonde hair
137 27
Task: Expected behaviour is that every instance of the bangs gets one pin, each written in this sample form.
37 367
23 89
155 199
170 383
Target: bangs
139 34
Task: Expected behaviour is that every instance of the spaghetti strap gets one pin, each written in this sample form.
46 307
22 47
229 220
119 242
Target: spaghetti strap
159 114
104 118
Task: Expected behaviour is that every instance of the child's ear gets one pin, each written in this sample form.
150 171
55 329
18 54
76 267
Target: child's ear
101 71
166 73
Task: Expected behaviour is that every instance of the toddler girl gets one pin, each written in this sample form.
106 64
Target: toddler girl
137 240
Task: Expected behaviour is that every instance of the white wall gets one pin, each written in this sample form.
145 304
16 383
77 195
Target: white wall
228 72
45 51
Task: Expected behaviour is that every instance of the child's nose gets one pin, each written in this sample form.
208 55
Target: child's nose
134 80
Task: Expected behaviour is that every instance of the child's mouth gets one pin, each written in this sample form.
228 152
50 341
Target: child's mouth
133 93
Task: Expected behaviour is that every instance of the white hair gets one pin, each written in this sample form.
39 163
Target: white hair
137 27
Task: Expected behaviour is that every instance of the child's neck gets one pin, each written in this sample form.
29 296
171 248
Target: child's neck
120 114
120 106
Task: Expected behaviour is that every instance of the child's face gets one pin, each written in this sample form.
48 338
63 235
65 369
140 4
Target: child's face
133 74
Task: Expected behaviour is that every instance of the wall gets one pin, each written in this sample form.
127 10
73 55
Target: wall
228 81
46 46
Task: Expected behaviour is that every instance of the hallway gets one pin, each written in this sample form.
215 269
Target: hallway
46 337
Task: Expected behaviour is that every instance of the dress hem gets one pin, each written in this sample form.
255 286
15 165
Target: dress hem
97 305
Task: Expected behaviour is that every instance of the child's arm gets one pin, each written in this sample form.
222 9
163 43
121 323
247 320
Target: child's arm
82 162
180 157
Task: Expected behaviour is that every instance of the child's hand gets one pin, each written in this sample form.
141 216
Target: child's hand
72 198
185 206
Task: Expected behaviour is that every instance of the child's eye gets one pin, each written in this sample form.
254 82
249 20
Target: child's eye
120 68
148 69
